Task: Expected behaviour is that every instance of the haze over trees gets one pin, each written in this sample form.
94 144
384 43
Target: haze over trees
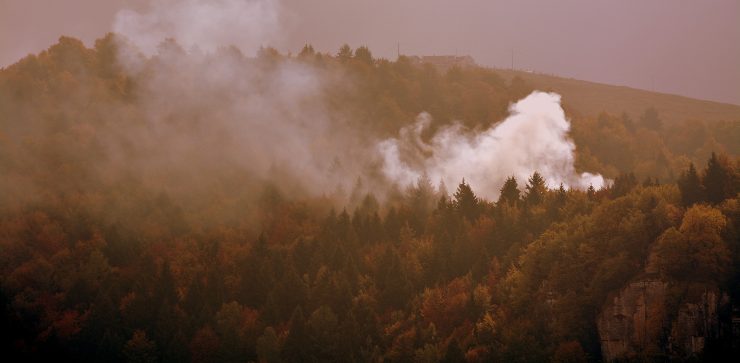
135 241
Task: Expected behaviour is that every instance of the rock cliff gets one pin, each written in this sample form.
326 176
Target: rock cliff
649 319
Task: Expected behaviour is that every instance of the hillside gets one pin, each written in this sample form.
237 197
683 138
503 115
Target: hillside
342 208
591 98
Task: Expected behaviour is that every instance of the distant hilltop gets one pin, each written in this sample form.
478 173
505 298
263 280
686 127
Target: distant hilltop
444 61
592 98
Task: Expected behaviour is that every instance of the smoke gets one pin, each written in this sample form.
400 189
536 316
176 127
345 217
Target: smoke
201 24
211 101
533 138
205 109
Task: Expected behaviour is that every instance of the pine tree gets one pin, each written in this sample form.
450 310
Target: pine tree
289 292
556 204
392 225
297 342
562 194
345 52
395 288
623 184
535 189
307 51
364 55
420 200
268 346
466 202
690 186
454 354
651 120
719 181
167 288
509 192
140 349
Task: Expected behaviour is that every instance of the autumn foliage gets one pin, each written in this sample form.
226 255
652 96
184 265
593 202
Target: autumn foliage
107 265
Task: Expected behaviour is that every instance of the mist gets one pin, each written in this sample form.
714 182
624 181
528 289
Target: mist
684 47
193 185
211 101
214 102
206 114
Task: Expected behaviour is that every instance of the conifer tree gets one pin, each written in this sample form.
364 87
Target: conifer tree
719 181
535 189
297 342
364 55
307 51
510 191
690 186
454 354
466 202
345 52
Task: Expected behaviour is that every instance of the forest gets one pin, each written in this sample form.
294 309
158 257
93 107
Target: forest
141 228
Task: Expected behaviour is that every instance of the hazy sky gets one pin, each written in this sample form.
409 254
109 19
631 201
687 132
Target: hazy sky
685 47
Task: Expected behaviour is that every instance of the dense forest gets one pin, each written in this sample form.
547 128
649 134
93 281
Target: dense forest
120 245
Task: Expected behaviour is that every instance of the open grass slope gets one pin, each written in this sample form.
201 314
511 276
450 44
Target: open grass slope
590 98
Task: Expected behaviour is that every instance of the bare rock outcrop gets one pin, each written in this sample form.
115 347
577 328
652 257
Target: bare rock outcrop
646 321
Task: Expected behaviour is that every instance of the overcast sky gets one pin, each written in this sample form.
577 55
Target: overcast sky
685 47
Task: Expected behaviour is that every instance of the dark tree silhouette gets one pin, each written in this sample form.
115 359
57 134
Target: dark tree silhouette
535 189
692 190
509 192
720 181
466 202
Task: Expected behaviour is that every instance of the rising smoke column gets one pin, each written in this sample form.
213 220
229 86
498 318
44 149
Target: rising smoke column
533 138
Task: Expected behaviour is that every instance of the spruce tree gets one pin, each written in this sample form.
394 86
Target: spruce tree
297 342
466 202
535 189
719 179
690 186
509 192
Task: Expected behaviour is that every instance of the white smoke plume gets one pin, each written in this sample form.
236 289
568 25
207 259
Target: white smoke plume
533 138
205 108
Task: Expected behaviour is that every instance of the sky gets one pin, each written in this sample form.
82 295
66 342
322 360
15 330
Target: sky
685 47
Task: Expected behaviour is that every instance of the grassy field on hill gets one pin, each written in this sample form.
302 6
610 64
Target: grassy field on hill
591 98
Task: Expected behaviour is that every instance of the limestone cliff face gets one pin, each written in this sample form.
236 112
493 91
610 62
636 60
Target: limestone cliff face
641 322
632 322
695 323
